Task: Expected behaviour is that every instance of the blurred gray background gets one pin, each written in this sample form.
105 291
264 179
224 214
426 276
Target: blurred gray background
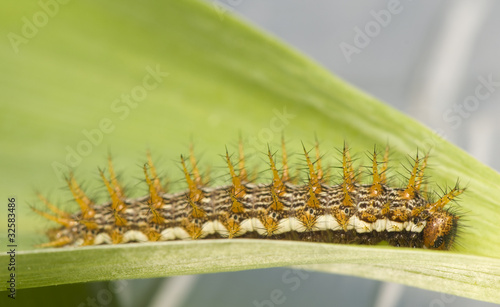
427 58
436 61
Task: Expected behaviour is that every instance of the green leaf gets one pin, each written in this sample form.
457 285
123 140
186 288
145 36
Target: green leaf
64 106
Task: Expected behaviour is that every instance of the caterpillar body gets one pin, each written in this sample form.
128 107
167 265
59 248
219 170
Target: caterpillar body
347 212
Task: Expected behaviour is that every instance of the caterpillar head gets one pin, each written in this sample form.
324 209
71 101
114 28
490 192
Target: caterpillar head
440 230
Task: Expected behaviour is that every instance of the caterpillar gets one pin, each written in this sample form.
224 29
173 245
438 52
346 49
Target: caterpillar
348 212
